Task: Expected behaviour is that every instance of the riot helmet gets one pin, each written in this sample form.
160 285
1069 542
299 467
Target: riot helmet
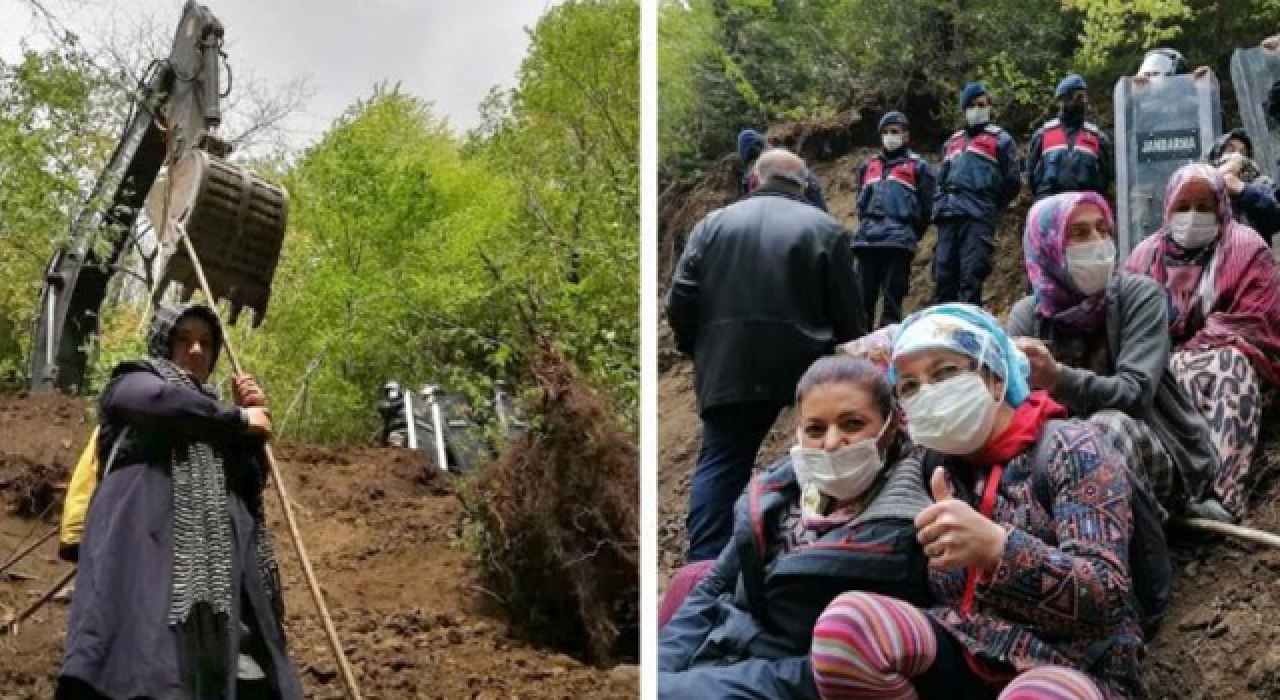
1161 62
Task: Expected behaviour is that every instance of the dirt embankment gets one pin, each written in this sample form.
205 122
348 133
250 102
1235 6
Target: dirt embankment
387 541
1220 639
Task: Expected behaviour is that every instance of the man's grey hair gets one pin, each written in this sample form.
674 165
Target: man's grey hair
780 168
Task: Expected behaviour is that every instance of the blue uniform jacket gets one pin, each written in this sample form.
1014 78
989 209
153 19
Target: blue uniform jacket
895 200
1065 158
980 174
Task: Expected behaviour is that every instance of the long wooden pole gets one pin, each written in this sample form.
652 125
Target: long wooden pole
347 676
31 609
30 548
1247 534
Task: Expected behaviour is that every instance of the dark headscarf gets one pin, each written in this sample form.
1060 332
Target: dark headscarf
167 318
200 600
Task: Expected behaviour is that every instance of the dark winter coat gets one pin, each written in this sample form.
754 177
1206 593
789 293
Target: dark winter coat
1067 158
895 201
1256 207
765 286
118 639
980 174
745 630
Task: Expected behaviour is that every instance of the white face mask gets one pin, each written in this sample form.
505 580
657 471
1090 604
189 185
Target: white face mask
977 115
1194 229
843 474
1090 265
892 142
954 417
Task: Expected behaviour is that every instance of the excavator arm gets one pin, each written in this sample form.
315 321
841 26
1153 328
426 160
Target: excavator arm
171 121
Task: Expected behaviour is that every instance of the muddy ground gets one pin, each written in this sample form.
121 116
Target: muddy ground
386 541
1220 639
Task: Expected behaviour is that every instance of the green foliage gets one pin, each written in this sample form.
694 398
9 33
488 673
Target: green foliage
1114 24
50 146
411 254
728 64
568 143
380 274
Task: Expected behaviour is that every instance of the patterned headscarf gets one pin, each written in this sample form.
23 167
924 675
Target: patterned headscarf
1187 173
1044 245
968 330
1234 299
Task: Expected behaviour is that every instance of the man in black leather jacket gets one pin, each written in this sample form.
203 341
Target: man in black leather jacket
764 287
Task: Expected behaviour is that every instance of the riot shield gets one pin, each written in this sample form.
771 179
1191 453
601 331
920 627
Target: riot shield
1253 72
1161 124
464 439
446 431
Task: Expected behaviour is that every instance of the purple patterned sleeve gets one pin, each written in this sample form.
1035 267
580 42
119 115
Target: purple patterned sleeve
1081 585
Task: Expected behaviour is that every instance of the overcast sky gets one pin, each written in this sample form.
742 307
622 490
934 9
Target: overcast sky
448 52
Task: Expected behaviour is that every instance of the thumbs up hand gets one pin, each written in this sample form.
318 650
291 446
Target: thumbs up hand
940 485
955 535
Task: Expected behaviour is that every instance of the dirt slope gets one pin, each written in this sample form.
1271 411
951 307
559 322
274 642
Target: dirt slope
387 546
1220 639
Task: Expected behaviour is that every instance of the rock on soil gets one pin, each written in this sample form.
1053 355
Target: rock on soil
387 545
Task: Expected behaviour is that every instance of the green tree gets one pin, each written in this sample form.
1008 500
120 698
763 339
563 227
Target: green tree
380 267
52 142
569 139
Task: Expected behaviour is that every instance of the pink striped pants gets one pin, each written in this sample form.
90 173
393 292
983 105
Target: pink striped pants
868 646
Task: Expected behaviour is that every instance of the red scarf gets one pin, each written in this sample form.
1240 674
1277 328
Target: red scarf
1023 431
1021 435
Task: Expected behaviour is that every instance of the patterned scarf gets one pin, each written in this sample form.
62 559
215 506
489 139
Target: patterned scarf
1225 293
202 557
1044 245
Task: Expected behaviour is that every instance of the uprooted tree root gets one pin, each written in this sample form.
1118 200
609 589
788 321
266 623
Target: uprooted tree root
32 488
560 516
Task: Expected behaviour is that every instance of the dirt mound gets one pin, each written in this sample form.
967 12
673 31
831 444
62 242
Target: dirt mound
1219 638
684 203
821 139
386 538
33 471
560 523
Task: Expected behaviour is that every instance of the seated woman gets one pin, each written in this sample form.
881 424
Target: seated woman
1032 598
834 516
1098 343
1252 194
177 595
1224 295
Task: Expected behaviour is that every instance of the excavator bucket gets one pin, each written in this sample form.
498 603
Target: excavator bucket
235 221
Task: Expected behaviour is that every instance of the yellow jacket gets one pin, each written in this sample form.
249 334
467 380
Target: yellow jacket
76 504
